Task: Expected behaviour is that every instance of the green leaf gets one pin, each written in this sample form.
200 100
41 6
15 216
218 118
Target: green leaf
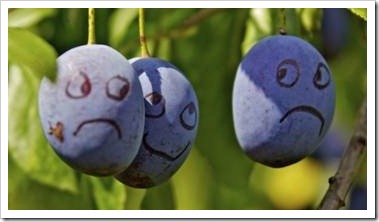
159 198
258 25
135 198
27 144
109 194
119 24
192 184
26 17
310 18
28 50
211 69
361 12
25 193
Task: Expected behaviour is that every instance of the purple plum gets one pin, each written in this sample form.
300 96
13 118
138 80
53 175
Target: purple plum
283 100
171 120
93 115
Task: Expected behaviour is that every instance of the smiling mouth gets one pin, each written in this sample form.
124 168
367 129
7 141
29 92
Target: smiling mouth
160 153
99 120
307 109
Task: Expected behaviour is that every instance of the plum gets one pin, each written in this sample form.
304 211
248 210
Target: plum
358 197
93 115
334 30
332 146
171 120
283 100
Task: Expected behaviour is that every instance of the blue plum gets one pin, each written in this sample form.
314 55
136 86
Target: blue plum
358 197
93 115
283 100
332 146
171 120
334 30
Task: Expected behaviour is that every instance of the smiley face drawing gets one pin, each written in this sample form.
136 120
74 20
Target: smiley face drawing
93 115
283 100
171 119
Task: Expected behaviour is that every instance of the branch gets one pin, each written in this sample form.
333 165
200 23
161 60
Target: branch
179 31
341 182
194 20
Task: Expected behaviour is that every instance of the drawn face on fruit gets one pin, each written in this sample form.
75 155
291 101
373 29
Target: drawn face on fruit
174 120
285 90
171 119
288 74
93 106
79 86
170 108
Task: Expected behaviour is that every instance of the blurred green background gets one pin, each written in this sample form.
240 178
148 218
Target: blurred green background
207 45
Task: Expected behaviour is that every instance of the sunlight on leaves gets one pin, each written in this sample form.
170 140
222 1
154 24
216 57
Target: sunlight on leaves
192 183
27 144
26 17
109 194
361 12
29 50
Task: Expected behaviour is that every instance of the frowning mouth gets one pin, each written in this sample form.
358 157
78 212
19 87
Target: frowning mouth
99 120
307 109
160 153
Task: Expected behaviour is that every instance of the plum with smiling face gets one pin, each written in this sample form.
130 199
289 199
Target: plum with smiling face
171 119
283 100
93 116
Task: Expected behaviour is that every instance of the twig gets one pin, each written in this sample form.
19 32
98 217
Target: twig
341 182
181 30
193 20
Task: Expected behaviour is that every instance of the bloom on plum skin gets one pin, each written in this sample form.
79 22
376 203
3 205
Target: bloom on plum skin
283 100
83 112
171 121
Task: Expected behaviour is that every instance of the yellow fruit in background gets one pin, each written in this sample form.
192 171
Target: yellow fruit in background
294 187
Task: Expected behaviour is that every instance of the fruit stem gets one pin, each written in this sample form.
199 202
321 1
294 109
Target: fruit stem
142 38
91 26
282 29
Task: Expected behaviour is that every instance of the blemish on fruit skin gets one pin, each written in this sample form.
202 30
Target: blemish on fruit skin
57 131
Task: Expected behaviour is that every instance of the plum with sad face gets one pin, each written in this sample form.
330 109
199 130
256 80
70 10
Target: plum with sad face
171 119
283 100
93 115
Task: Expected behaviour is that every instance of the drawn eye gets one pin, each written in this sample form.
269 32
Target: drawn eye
154 105
188 117
117 88
79 86
321 78
287 73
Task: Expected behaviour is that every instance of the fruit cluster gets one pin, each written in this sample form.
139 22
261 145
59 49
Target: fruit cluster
106 116
137 119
